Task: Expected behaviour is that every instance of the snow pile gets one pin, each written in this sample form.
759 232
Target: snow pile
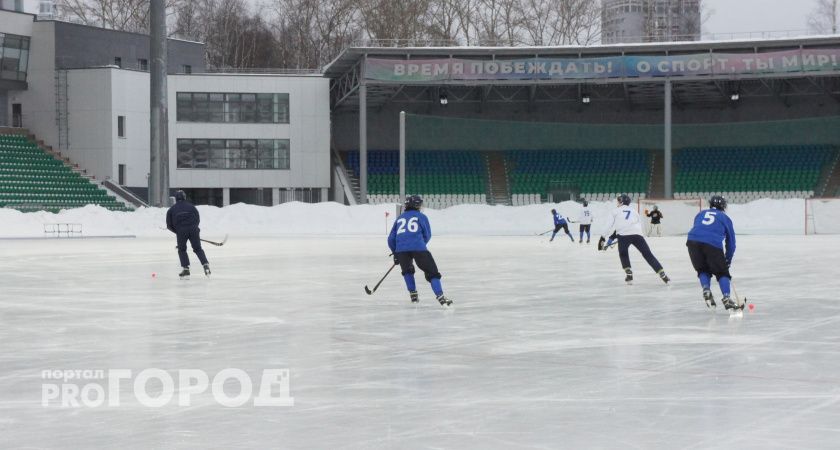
760 217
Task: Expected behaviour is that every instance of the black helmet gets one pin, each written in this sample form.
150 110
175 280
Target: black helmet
624 199
718 202
180 195
585 203
413 202
553 211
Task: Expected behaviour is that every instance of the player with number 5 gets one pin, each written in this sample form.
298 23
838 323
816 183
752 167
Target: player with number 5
409 236
706 250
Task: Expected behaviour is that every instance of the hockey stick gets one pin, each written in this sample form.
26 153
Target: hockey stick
369 291
217 244
741 303
546 232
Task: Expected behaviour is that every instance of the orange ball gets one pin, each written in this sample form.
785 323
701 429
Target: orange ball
752 307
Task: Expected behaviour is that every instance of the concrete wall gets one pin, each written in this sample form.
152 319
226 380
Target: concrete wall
81 46
38 102
308 131
16 23
97 98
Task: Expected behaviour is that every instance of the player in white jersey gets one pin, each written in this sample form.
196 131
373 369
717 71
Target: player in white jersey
627 224
585 221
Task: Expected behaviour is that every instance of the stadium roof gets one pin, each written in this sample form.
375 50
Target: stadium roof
348 72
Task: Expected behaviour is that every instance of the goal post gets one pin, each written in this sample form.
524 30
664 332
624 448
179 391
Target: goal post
677 215
822 216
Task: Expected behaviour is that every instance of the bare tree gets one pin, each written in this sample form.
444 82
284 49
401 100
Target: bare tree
124 15
824 18
398 20
499 22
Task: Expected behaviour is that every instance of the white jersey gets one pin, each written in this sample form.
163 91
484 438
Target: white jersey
625 221
585 217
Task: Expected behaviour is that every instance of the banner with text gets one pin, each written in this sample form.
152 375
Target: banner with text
423 70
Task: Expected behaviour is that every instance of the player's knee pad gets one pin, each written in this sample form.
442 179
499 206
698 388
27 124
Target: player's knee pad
409 270
432 276
723 274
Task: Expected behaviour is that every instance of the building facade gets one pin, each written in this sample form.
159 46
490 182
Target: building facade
634 21
260 139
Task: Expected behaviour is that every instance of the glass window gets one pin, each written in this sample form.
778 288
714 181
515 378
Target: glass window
232 107
121 126
233 154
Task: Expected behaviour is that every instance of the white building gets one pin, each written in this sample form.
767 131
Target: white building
262 139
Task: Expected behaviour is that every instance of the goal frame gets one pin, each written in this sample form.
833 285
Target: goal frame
810 219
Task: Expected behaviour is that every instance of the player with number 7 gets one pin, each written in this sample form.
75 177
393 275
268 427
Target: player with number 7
625 221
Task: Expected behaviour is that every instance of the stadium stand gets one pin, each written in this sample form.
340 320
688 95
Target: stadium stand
746 174
444 178
447 178
31 179
599 174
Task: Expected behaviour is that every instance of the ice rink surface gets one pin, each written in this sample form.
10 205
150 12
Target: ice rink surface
545 347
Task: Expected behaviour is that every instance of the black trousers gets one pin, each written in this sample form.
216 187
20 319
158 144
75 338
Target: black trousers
624 243
707 259
424 261
585 228
564 227
193 235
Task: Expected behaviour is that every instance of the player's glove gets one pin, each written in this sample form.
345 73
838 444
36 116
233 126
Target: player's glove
396 261
601 243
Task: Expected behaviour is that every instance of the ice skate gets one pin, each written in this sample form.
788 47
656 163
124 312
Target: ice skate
207 269
629 278
729 304
443 300
185 273
664 277
709 299
413 295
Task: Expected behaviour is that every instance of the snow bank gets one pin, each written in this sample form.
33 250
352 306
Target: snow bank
760 217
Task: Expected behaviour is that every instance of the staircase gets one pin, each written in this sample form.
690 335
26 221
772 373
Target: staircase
657 174
830 179
34 178
498 186
352 179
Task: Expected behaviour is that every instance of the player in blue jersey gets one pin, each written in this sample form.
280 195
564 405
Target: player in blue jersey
706 249
409 236
560 222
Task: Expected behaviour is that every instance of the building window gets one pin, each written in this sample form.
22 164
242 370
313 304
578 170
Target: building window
187 69
143 64
121 126
14 57
118 61
232 108
263 154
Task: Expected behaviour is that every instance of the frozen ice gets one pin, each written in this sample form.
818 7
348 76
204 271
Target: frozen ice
544 347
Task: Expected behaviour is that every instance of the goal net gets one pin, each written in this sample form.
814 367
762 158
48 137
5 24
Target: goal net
677 215
822 216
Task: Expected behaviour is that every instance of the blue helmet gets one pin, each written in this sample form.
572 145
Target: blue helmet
718 202
180 195
624 199
413 202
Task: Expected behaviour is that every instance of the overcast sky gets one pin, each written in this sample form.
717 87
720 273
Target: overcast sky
732 16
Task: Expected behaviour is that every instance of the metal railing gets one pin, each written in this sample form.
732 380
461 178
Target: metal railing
264 70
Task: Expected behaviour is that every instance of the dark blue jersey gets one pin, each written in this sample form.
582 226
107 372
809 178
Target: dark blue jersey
712 227
410 233
558 219
182 216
